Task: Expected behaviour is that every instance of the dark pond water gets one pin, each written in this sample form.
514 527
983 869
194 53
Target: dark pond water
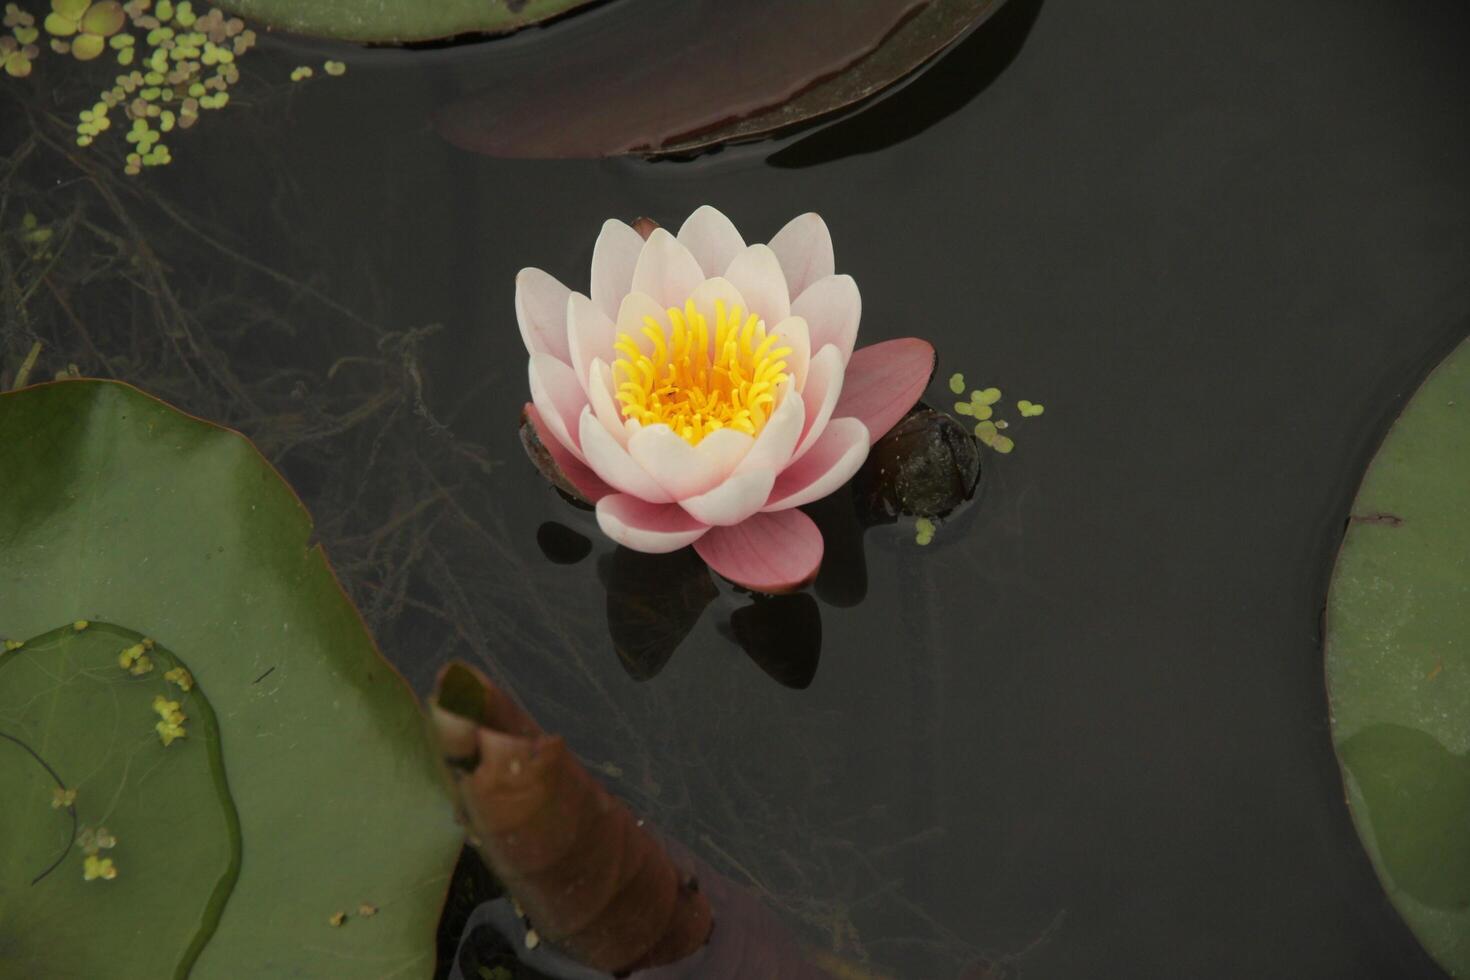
1087 725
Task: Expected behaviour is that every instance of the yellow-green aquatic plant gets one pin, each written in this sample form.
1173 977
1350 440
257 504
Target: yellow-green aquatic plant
178 64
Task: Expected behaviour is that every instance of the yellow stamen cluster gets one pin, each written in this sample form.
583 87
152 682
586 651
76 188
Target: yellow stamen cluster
696 384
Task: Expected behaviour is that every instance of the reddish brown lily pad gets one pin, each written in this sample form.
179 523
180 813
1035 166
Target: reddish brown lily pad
668 78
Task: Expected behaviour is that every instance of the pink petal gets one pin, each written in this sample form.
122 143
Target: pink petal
559 398
712 239
796 335
666 271
833 459
651 528
681 469
823 387
756 272
733 500
775 442
587 483
599 394
610 461
776 553
541 311
804 247
589 335
883 382
614 258
832 308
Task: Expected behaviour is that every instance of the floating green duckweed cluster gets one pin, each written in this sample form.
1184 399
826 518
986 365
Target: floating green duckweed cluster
923 530
185 64
18 48
981 408
94 865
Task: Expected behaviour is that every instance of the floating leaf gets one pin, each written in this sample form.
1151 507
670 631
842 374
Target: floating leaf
372 20
116 509
1398 665
68 711
795 63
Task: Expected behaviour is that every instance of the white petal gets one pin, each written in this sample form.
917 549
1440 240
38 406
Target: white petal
724 449
831 463
558 396
635 309
678 467
707 292
756 272
612 462
804 247
712 239
613 259
796 335
541 311
733 500
589 336
832 308
774 443
651 528
666 271
604 402
823 388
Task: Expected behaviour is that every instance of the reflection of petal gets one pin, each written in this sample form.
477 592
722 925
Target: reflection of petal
783 635
561 545
777 552
653 601
843 579
884 381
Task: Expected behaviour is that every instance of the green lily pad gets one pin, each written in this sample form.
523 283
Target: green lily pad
75 721
372 20
117 509
1398 662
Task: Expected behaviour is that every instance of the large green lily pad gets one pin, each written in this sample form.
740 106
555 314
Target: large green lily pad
1398 662
405 20
116 509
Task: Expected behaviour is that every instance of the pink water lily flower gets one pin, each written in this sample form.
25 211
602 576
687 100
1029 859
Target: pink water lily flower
707 388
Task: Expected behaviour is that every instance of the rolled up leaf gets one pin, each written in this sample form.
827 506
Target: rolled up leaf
590 879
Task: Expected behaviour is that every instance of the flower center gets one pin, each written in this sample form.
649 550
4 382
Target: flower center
695 383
